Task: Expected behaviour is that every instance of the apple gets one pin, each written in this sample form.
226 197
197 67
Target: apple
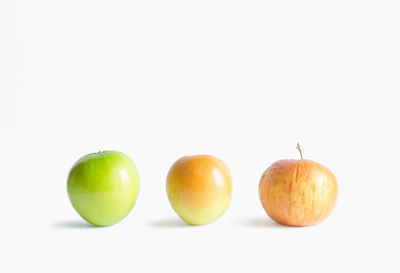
103 187
199 188
298 192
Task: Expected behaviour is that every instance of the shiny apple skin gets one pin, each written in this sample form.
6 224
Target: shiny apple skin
103 187
298 192
199 188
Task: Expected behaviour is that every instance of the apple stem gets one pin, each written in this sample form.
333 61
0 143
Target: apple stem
298 148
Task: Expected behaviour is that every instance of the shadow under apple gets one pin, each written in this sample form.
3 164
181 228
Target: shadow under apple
261 223
169 223
73 225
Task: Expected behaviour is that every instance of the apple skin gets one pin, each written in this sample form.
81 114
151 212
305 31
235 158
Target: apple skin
298 192
103 187
199 188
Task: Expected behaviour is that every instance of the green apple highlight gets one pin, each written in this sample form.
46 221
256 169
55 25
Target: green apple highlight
103 187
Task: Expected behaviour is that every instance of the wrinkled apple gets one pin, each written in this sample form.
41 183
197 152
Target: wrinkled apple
298 192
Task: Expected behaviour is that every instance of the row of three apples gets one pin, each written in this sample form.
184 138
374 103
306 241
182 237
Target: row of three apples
103 188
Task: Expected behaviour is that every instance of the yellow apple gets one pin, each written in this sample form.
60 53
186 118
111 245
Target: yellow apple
199 188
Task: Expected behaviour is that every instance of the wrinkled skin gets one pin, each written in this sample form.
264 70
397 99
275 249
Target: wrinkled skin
298 192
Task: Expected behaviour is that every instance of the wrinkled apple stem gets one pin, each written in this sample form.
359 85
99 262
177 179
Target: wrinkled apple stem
298 148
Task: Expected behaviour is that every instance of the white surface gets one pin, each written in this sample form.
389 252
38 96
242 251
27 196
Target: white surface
241 80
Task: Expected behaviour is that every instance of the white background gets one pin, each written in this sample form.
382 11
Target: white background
159 79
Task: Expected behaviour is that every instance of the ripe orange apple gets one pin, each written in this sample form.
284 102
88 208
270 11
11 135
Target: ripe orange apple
199 188
298 192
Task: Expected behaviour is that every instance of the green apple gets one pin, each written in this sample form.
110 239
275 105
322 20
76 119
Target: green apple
103 187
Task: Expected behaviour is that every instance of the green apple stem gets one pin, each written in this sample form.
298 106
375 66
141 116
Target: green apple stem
298 148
